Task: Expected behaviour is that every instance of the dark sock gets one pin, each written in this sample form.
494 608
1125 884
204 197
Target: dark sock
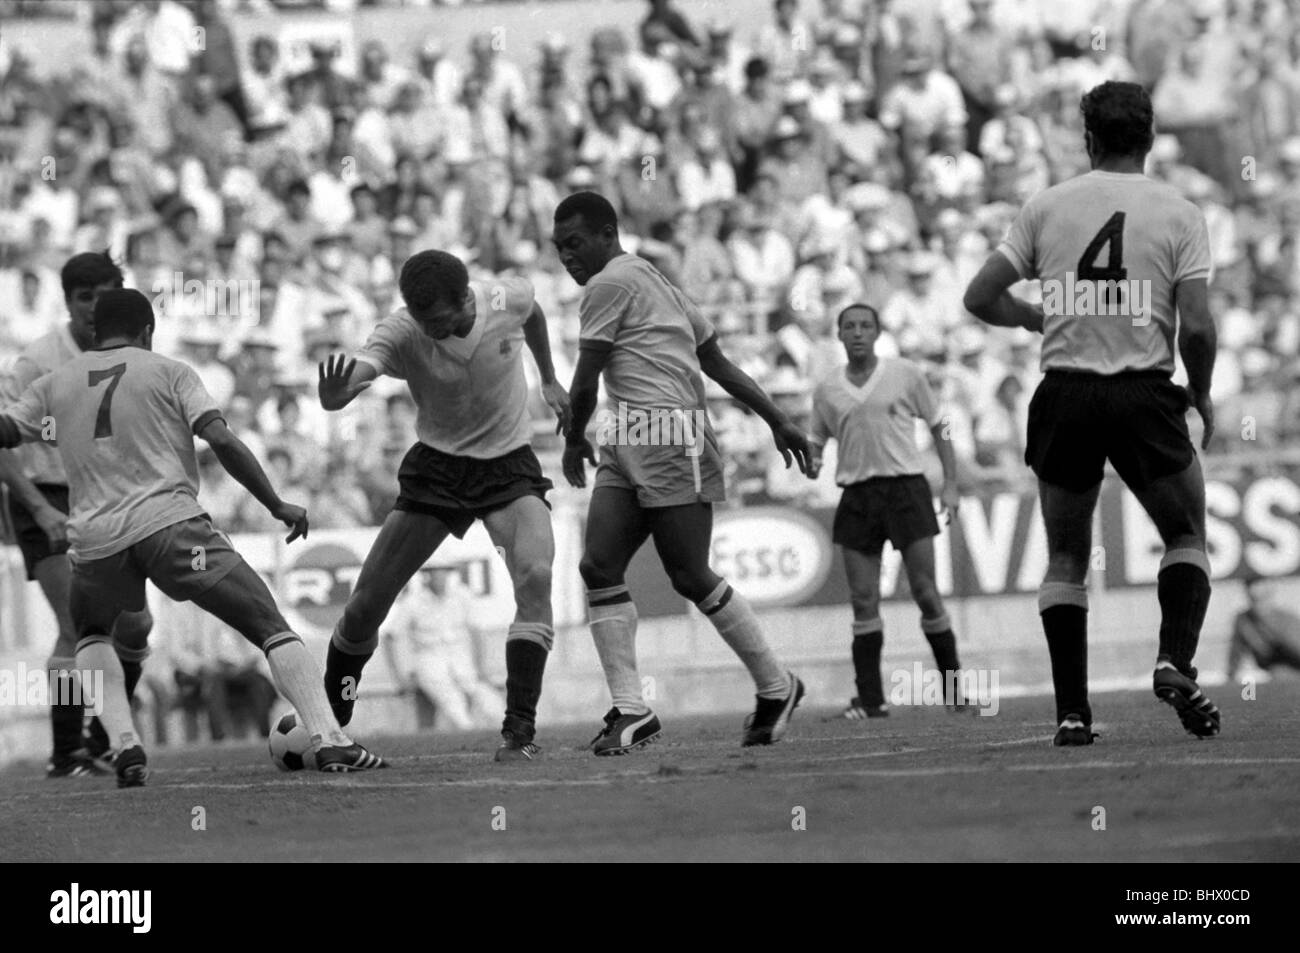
132 672
866 668
944 646
1184 592
65 719
525 664
95 728
340 666
1067 642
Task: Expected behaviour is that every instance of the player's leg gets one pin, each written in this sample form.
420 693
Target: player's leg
862 570
100 592
404 544
228 588
682 537
616 529
1152 452
52 573
918 560
522 530
1063 603
240 598
1176 504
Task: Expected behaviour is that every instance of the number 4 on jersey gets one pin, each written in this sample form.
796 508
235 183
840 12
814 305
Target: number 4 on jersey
104 419
1112 234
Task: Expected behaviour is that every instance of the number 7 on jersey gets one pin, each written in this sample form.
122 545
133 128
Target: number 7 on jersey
104 419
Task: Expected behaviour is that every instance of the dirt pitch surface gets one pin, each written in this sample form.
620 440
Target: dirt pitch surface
922 785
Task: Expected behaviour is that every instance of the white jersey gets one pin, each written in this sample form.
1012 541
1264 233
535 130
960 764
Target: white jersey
1110 249
40 462
470 393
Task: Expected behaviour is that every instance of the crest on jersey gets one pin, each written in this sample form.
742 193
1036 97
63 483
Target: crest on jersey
505 346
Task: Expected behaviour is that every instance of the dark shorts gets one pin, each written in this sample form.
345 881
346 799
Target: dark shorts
899 509
31 539
1137 420
183 560
459 490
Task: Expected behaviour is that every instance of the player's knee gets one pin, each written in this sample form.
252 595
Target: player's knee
691 583
865 607
594 576
131 630
533 580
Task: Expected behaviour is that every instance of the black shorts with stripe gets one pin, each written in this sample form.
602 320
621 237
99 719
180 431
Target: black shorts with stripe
1137 420
32 541
458 490
899 509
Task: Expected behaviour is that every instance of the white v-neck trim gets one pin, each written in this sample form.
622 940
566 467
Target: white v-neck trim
861 393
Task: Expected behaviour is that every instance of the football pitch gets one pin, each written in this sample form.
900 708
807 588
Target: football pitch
922 785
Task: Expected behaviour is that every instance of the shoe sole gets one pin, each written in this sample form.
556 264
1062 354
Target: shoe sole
1074 740
1190 711
133 777
514 755
612 752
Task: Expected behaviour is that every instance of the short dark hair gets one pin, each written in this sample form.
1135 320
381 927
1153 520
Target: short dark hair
90 269
1120 118
431 277
594 209
875 315
122 312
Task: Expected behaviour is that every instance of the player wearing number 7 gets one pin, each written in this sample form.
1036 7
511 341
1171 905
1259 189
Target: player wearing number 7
1106 393
124 420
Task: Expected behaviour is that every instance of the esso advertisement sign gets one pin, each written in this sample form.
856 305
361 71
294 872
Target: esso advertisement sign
771 556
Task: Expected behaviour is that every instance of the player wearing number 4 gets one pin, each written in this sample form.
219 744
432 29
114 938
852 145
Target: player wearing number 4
1106 393
125 421
869 409
458 344
651 343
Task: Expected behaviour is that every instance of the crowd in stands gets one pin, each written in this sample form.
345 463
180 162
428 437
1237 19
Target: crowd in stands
838 151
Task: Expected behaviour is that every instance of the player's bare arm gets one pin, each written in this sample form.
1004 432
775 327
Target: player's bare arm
538 340
584 394
52 522
240 463
988 298
1197 343
790 440
949 495
342 379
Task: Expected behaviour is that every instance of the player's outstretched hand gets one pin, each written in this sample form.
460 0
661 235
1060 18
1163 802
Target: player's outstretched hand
10 435
949 500
557 398
793 444
335 388
294 517
1205 407
578 453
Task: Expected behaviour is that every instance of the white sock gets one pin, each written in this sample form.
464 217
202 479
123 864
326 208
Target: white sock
115 710
735 621
299 679
613 629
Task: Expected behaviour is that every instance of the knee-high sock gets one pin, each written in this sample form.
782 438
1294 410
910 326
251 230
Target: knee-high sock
1183 587
868 641
527 646
735 621
1063 607
343 664
943 643
96 655
612 615
298 678
65 709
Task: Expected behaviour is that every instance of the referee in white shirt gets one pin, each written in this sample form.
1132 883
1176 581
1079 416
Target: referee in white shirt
869 408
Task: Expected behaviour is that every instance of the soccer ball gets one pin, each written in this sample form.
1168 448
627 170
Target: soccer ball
289 744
